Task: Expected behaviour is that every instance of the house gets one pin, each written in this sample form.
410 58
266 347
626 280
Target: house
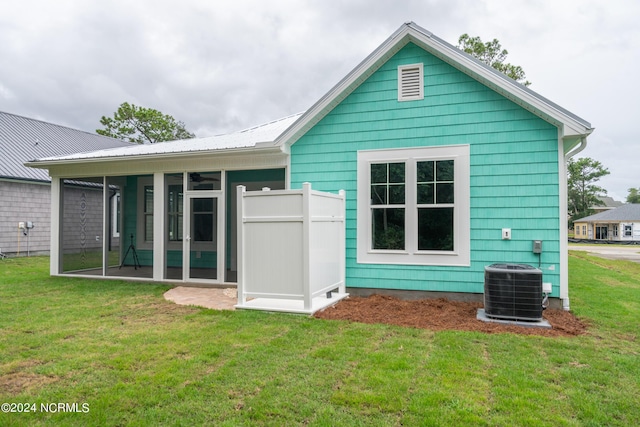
621 224
447 165
608 203
25 193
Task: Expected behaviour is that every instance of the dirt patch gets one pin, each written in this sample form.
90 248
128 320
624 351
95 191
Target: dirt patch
441 314
19 382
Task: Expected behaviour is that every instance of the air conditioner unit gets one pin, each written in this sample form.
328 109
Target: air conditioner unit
513 291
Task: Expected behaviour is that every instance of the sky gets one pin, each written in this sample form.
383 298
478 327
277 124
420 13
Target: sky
221 66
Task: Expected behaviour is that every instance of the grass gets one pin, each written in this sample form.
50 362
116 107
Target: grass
135 359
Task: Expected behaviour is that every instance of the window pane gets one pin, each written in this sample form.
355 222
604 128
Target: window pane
388 228
396 172
148 228
444 193
379 173
425 194
173 224
435 229
148 199
203 205
378 194
203 227
175 227
444 170
425 172
396 194
175 198
204 181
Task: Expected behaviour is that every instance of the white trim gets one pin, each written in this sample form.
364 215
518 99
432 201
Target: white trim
140 242
159 223
115 205
57 191
106 220
461 254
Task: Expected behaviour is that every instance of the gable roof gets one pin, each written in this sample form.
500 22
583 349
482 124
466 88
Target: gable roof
247 138
285 132
572 126
23 139
609 203
628 212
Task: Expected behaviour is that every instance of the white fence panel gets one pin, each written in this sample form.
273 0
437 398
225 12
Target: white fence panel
291 249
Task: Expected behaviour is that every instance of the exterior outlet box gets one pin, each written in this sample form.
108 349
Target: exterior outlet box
546 288
506 234
21 225
537 246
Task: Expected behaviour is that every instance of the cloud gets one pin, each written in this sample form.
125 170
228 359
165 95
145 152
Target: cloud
220 67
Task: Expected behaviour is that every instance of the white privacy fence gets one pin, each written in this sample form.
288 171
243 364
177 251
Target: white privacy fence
291 249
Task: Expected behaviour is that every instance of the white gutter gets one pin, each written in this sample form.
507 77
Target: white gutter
578 149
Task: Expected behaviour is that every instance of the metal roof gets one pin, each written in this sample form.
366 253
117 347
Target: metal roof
247 138
628 212
23 139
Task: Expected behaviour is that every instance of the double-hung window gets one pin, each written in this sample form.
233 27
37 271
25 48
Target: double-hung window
413 206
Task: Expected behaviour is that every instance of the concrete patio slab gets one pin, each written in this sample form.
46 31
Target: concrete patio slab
214 298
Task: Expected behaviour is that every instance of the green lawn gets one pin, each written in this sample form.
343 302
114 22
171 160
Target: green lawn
125 356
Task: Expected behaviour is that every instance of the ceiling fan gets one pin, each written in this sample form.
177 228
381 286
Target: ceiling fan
196 177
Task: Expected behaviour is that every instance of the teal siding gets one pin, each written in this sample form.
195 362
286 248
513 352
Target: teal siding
514 169
130 222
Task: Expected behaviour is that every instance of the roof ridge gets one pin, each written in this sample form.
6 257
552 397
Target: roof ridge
266 123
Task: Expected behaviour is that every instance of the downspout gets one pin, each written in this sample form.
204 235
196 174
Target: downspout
578 149
567 156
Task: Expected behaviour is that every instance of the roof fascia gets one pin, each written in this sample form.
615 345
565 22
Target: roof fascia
46 164
571 126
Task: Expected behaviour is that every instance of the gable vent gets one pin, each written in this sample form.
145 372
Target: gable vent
410 82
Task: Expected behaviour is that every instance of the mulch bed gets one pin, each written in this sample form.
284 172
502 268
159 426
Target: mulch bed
442 314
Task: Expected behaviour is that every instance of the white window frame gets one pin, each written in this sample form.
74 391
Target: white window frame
402 69
115 214
141 243
460 256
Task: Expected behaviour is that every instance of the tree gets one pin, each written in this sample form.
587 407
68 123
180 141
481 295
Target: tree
634 195
582 175
142 125
491 53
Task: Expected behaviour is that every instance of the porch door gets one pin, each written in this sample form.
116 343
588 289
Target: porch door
202 241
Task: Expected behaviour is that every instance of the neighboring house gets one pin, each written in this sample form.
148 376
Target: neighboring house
448 166
608 203
619 224
25 193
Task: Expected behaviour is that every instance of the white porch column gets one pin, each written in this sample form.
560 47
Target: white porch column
56 234
106 218
306 233
158 226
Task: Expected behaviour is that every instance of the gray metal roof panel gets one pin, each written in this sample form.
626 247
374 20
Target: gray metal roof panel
244 139
628 212
23 139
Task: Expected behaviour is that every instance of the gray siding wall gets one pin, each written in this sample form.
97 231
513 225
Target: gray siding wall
82 219
29 201
25 201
